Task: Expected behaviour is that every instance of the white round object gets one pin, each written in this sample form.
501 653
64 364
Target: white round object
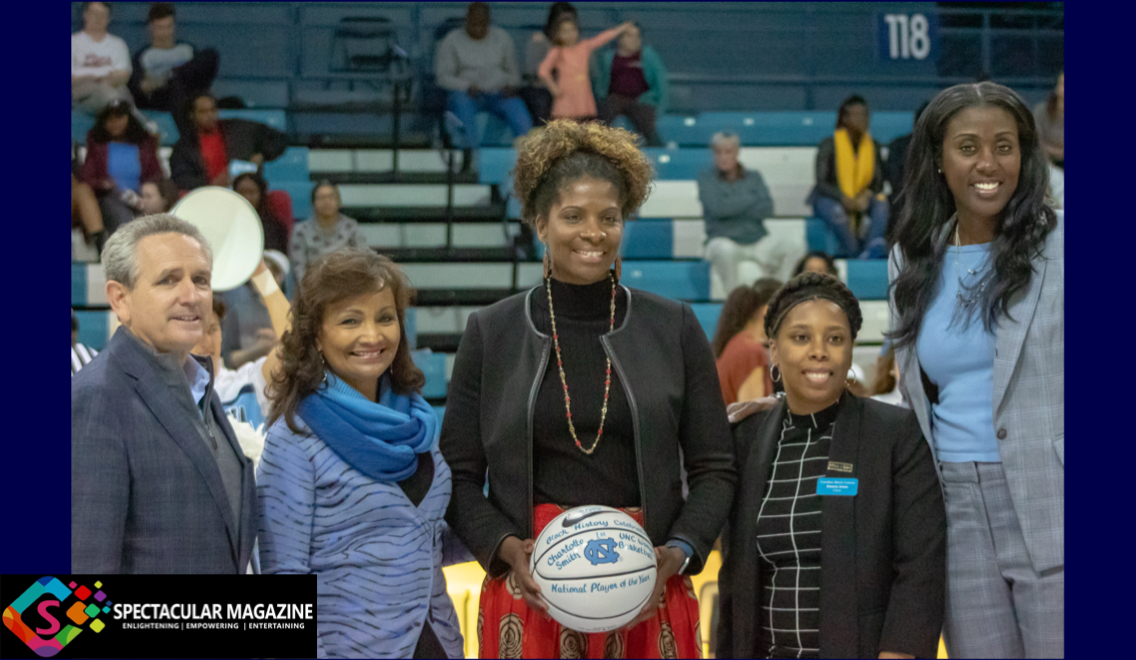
233 229
595 567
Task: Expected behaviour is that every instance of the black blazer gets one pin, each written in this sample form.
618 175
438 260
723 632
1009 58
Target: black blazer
667 370
883 551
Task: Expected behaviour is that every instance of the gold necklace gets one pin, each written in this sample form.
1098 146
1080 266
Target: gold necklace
564 382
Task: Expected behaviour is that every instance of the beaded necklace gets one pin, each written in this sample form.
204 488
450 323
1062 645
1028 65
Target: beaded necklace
958 272
564 382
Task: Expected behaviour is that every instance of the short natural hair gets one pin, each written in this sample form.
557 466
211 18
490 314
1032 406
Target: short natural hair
120 254
812 286
565 151
160 10
337 276
83 6
724 138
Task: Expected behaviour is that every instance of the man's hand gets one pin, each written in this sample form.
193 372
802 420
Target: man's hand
150 84
668 560
517 554
257 158
863 200
222 179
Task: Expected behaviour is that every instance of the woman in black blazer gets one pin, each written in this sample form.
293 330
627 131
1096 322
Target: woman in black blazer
636 374
836 542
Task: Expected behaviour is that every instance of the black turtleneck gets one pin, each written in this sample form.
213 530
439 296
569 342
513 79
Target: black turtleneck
562 474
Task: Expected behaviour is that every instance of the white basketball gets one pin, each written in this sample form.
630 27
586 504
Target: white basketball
596 568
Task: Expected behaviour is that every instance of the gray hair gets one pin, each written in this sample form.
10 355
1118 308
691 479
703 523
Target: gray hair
725 138
120 254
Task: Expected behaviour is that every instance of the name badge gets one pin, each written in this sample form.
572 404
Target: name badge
832 486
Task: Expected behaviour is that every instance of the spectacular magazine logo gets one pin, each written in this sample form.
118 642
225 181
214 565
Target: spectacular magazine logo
49 615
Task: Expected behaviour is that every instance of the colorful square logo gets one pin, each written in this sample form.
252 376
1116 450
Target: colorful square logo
37 616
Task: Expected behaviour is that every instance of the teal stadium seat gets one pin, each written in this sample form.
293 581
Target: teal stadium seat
433 365
679 280
292 166
277 119
94 327
819 237
868 279
647 239
301 194
679 164
707 314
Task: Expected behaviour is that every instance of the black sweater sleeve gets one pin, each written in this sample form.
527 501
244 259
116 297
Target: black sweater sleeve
919 523
707 450
479 525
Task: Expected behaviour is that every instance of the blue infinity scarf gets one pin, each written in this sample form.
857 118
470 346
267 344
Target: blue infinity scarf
382 440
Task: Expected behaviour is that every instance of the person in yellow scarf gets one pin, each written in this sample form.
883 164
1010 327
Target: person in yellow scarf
848 194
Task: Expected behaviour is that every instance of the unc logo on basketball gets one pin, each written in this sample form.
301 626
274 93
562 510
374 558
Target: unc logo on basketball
601 551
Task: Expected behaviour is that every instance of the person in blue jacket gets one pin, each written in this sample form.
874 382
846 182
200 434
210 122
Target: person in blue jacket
631 80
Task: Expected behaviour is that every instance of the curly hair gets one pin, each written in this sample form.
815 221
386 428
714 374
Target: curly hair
337 276
740 306
812 286
927 207
551 159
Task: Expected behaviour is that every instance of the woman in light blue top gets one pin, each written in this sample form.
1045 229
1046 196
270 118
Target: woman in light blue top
351 485
978 320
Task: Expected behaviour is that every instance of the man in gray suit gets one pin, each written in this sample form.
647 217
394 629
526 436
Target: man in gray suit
158 481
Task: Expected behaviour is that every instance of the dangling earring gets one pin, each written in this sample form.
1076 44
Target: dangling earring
777 378
547 264
940 170
323 383
618 268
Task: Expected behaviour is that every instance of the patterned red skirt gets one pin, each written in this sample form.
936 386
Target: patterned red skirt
507 628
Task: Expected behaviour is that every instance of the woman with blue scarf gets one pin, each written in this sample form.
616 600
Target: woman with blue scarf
351 485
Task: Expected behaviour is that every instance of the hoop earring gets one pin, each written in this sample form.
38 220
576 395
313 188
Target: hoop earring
618 268
777 378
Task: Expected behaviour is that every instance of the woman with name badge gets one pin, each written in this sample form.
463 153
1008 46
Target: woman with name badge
582 391
836 544
351 485
978 319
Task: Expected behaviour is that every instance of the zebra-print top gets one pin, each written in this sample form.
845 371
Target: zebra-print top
377 557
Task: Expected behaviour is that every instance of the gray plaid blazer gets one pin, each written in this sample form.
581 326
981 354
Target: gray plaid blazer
147 495
1029 399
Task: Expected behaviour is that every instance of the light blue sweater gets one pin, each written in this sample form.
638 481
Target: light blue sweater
960 360
378 558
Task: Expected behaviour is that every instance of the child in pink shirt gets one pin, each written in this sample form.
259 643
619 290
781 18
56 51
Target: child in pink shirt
572 91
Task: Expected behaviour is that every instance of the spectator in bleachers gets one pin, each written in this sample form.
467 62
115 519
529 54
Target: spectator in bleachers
347 410
740 342
81 354
86 216
121 156
850 183
254 188
229 383
167 72
735 204
100 61
478 67
507 403
816 262
159 197
978 321
571 88
535 92
1050 118
326 231
631 80
203 153
893 173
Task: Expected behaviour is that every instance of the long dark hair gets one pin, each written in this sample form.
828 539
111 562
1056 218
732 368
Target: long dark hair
740 306
262 209
338 275
135 131
927 206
